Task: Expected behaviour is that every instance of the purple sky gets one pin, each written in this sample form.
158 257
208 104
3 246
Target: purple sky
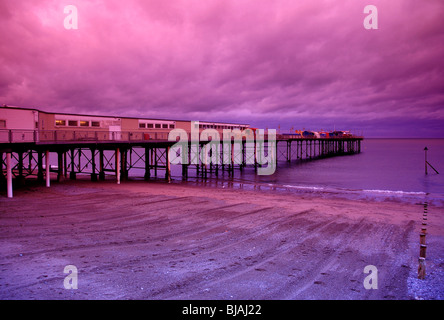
296 63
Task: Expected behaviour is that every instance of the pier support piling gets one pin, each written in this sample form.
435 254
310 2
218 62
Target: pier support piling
40 166
147 175
59 166
2 177
101 166
65 164
118 165
72 174
47 167
9 174
93 164
20 179
167 165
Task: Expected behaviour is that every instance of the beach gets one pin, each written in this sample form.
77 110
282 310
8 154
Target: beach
161 241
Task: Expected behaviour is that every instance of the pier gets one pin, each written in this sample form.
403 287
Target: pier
57 155
50 146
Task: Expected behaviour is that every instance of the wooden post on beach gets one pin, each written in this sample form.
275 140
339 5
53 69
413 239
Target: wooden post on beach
421 268
425 163
422 241
422 250
422 238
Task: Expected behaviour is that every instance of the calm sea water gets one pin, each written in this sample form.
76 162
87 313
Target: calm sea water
386 169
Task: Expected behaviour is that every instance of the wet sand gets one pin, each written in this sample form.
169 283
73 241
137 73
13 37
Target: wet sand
151 240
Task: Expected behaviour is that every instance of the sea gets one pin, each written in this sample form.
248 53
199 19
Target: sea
385 170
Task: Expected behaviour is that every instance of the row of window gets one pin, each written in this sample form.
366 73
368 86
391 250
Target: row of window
77 123
156 126
142 125
3 124
214 126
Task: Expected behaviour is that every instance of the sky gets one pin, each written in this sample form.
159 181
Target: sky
282 64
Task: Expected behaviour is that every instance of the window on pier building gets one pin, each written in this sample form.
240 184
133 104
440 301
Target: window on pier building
84 123
72 123
60 122
157 125
142 125
95 123
164 126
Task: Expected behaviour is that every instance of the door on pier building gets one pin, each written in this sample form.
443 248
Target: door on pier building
115 133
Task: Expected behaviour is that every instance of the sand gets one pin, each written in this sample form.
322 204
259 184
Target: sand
157 240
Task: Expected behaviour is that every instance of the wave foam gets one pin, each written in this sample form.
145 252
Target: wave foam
395 192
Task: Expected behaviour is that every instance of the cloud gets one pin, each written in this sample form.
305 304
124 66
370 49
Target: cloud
240 60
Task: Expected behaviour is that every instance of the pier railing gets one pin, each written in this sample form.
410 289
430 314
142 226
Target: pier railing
35 136
61 136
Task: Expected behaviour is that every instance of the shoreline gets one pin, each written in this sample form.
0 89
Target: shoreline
179 241
406 197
